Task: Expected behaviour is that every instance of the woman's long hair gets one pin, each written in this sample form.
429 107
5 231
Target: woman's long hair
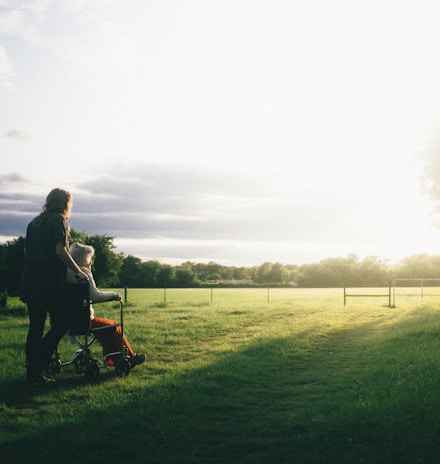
57 202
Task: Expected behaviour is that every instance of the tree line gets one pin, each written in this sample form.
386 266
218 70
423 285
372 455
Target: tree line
118 270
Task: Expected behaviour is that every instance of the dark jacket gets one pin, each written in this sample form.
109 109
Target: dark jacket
44 273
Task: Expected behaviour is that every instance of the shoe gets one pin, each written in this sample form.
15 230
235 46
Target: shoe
137 359
39 379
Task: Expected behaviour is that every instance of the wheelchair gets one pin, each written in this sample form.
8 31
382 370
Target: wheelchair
83 335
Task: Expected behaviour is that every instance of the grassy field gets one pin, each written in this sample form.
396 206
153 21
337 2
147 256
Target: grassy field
238 376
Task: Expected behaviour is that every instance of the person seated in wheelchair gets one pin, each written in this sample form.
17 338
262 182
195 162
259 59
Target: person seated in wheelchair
110 340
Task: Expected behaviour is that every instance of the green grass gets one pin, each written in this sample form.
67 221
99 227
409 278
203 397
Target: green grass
234 378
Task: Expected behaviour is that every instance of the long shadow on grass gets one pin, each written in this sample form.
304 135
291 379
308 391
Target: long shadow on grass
300 399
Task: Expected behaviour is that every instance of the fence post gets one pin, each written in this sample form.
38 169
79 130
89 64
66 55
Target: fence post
125 294
389 295
394 294
345 296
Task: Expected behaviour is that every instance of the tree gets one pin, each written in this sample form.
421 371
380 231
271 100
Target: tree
111 269
331 272
207 271
107 264
373 272
420 266
311 275
149 273
278 274
263 273
241 273
11 265
340 271
77 237
185 276
165 276
293 273
130 275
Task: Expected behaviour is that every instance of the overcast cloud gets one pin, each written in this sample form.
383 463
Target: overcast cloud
184 211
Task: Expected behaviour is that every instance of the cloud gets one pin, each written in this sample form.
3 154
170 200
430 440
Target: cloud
12 178
21 135
17 206
22 20
181 212
188 201
7 73
180 201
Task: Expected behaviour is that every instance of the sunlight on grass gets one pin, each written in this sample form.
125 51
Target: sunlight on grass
240 379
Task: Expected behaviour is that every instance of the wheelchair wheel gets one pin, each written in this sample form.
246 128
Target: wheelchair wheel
54 366
80 363
92 370
122 367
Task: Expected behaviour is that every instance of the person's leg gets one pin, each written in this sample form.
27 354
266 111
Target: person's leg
127 344
59 327
109 339
135 359
37 318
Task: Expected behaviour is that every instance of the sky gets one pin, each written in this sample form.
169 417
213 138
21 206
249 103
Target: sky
234 131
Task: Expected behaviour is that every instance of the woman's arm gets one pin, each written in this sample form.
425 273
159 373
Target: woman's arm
64 255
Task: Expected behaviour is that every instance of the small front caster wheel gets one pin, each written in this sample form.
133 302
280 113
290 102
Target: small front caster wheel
92 371
54 366
122 367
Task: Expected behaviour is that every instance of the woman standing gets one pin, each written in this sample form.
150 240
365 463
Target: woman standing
43 285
